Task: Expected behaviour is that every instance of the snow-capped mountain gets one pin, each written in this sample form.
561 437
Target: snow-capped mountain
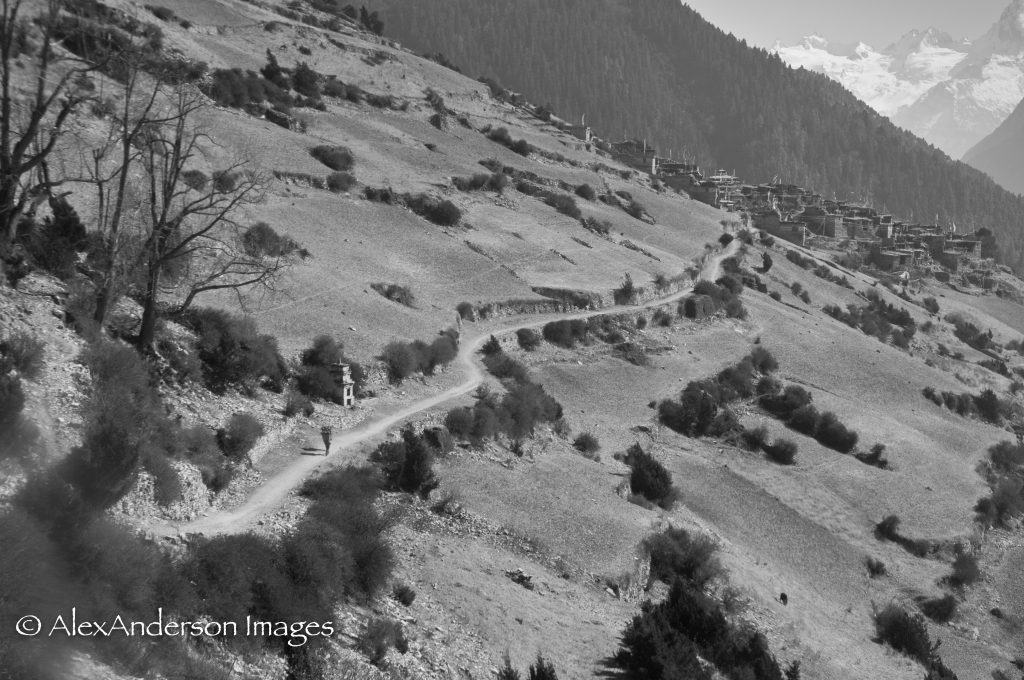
888 80
950 92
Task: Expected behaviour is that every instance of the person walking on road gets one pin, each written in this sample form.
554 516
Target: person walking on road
325 432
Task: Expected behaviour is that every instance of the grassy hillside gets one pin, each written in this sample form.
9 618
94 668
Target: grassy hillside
533 542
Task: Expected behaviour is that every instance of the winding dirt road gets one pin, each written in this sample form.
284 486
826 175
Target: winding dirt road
271 493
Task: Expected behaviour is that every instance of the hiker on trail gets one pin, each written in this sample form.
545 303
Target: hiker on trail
325 432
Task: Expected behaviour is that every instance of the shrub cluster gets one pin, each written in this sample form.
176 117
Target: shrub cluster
239 436
689 635
403 359
940 609
528 339
516 414
587 444
24 353
970 334
337 551
55 244
396 293
781 451
586 192
908 633
793 406
676 553
337 158
563 203
876 568
874 457
504 367
501 136
565 332
381 635
260 240
408 464
649 478
247 90
889 530
724 294
339 182
233 352
1005 477
698 408
634 209
599 227
883 320
986 405
442 212
481 181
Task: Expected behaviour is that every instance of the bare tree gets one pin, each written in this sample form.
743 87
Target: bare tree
33 114
113 165
193 241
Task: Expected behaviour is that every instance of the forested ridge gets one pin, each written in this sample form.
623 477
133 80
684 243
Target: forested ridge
657 70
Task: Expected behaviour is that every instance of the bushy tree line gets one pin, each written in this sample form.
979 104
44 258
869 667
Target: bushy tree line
793 406
607 328
986 405
702 406
516 414
403 359
482 181
881 319
438 211
501 136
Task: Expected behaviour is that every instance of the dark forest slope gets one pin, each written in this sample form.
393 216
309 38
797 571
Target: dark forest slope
656 69
1001 154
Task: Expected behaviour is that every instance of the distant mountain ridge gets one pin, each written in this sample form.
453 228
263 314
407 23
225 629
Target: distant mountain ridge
665 74
888 80
949 92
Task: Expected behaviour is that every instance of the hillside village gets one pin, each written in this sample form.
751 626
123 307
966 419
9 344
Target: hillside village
795 213
514 401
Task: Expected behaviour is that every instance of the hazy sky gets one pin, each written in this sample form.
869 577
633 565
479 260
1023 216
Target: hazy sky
876 22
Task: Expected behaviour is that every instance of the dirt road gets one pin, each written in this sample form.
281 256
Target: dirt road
269 495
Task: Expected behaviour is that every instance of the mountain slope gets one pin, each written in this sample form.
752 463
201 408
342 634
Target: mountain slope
664 73
951 93
1001 154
